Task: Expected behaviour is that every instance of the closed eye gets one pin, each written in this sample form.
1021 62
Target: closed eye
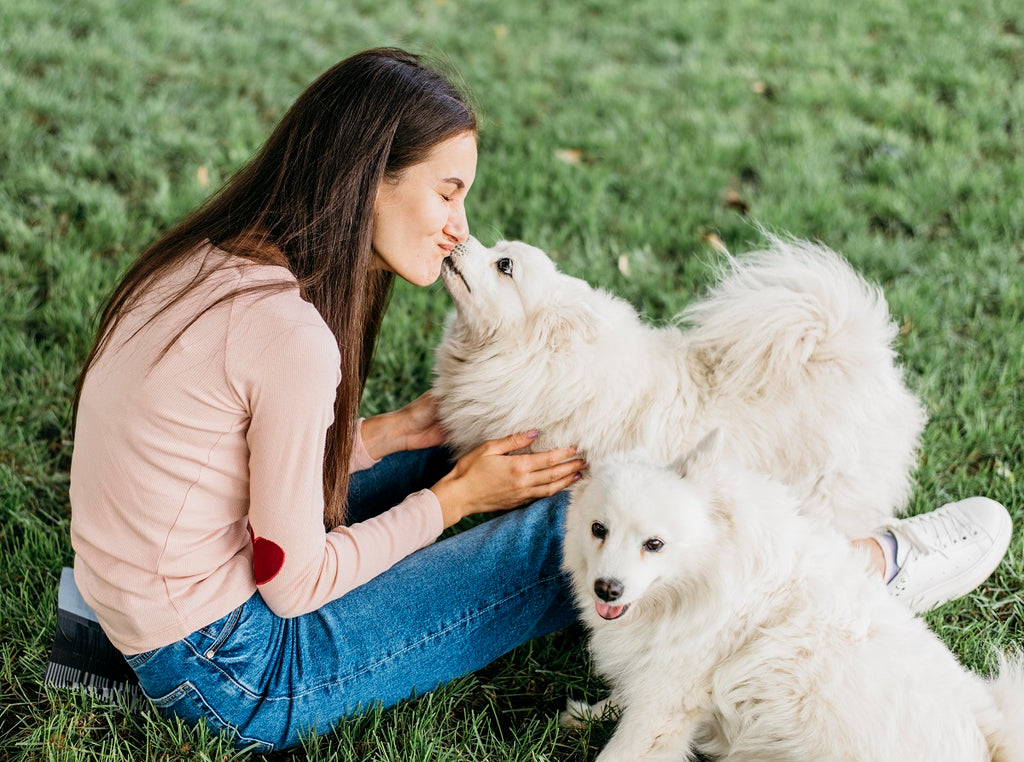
504 266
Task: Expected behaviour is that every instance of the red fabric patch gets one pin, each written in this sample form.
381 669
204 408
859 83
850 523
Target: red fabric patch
267 558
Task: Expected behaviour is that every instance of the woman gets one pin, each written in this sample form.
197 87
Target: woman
217 436
216 428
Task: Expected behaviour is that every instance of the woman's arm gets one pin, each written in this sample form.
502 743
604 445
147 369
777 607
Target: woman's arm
413 427
288 381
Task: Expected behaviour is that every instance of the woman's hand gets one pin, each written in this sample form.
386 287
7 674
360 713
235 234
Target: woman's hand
413 427
489 479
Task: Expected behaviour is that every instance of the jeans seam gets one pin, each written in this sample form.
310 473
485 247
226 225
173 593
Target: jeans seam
138 660
430 636
231 728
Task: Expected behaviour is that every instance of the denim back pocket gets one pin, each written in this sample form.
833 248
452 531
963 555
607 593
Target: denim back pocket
188 703
215 634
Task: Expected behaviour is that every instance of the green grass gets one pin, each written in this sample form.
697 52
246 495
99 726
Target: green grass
892 130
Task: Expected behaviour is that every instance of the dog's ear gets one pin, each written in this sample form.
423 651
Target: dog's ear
570 319
703 456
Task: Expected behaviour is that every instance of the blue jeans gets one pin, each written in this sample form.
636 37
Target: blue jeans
441 612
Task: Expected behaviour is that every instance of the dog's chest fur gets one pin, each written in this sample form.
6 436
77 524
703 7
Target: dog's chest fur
624 402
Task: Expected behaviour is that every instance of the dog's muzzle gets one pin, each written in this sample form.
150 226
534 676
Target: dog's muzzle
448 265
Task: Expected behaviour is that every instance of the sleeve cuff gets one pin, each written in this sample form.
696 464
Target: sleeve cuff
361 458
430 498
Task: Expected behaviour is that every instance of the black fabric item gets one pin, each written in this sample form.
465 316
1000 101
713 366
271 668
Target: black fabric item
83 657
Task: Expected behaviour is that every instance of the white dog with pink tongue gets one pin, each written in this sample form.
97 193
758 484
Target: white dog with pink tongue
724 620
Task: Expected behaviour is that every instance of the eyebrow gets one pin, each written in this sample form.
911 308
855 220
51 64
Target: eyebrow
455 181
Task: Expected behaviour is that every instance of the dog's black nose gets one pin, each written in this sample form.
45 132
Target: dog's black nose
608 589
460 249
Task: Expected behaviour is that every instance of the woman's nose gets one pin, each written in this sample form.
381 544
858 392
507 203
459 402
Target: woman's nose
457 226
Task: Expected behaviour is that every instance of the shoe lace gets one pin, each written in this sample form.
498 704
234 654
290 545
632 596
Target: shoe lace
938 531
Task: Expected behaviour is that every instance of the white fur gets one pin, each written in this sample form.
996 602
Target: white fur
791 348
756 633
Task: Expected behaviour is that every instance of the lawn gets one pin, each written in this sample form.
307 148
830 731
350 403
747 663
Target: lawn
629 140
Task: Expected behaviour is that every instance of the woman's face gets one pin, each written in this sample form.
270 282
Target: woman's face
418 220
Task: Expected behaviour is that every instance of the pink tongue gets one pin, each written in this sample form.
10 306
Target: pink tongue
607 611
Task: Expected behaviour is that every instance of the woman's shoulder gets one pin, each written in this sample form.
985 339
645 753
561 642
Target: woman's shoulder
277 311
255 308
269 315
258 291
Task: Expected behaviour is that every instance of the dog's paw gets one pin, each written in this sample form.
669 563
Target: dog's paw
576 714
580 713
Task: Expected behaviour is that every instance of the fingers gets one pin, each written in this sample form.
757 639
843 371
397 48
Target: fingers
553 487
511 443
524 476
568 472
549 458
538 467
524 439
538 479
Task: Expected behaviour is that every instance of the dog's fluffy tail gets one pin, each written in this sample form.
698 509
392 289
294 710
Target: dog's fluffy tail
1007 741
775 313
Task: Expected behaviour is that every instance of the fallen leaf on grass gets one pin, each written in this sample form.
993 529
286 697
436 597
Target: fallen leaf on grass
572 156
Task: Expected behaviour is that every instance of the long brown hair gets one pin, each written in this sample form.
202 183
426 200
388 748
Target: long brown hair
306 201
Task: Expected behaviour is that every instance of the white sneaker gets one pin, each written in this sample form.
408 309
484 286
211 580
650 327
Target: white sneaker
945 554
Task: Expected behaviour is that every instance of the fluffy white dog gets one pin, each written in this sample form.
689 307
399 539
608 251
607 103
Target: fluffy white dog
791 347
725 620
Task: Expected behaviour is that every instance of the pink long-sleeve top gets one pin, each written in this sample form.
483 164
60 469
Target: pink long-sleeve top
197 479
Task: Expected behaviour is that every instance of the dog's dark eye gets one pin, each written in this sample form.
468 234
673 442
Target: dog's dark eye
653 545
599 530
504 265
